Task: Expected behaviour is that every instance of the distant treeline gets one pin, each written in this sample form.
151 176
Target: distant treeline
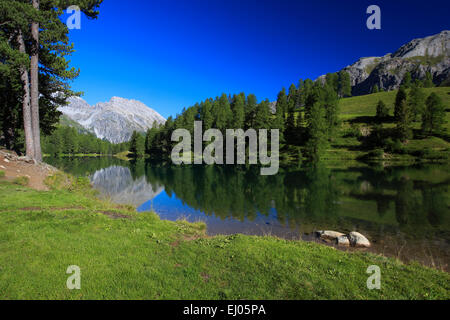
68 141
306 115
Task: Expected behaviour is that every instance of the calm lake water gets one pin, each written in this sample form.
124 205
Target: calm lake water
404 211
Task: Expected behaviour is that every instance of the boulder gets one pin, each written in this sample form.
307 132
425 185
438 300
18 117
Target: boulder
329 235
343 241
358 240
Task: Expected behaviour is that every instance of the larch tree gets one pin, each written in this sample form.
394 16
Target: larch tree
317 136
237 108
403 122
282 105
428 81
382 111
331 104
416 101
433 119
345 86
399 99
407 80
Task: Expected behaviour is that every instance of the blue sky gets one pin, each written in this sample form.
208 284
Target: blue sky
171 54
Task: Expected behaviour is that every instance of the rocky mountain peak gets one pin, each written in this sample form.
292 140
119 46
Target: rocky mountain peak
114 120
419 56
432 46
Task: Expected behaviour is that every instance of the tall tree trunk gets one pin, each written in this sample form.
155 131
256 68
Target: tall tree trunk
29 141
34 74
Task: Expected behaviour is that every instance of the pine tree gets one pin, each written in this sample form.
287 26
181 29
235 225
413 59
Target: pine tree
404 121
137 148
407 80
433 119
292 98
331 104
317 137
382 111
291 128
282 104
375 89
250 110
399 99
206 114
416 101
345 87
262 116
428 81
223 115
150 138
237 108
332 79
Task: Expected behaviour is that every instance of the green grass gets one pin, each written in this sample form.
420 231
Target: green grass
358 112
126 255
366 105
427 60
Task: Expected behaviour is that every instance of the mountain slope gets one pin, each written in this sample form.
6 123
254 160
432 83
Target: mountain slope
419 56
114 120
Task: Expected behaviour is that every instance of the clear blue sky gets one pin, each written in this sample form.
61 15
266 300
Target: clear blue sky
170 54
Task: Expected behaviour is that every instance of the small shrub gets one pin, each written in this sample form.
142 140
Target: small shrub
2 174
22 181
81 184
57 181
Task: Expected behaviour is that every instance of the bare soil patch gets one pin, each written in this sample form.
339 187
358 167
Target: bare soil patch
15 166
115 215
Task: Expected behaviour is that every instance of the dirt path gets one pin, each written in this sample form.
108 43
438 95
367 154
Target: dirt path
15 166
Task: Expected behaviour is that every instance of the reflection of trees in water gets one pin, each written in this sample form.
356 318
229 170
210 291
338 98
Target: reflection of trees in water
418 203
241 193
304 196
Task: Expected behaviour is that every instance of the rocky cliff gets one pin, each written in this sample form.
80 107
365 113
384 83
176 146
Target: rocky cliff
419 56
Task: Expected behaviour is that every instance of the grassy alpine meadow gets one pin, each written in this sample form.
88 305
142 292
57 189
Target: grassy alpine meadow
357 113
127 255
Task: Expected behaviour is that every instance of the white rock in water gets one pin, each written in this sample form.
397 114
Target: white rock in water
330 235
343 241
358 240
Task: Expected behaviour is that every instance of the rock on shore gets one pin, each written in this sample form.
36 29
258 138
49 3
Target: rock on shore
354 239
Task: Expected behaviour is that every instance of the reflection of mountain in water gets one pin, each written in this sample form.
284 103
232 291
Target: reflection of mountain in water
116 183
